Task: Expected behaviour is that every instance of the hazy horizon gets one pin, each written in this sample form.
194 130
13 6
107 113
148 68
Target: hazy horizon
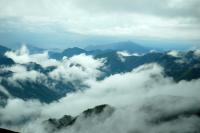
63 24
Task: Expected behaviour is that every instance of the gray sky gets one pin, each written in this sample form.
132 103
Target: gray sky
147 19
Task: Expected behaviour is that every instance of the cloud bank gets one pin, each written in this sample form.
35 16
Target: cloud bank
39 77
143 98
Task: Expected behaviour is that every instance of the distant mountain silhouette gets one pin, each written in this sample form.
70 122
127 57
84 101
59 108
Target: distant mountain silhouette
67 52
120 46
128 46
75 51
33 49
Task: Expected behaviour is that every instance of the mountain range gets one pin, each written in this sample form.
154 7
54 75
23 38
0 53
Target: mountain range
184 66
128 46
17 80
94 50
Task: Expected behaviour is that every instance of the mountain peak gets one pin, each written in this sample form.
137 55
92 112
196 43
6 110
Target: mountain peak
73 51
67 120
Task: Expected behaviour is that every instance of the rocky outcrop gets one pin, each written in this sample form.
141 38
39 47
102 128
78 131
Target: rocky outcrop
101 113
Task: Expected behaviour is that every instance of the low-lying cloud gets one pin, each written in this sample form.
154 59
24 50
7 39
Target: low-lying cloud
141 98
76 69
23 56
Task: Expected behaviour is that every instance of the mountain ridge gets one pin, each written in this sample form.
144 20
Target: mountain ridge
128 46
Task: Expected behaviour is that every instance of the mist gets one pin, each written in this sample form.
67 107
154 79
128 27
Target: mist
142 98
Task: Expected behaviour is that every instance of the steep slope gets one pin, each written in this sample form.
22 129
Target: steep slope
5 61
100 112
6 131
3 50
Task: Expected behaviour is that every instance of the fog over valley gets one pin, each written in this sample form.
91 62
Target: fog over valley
145 98
101 66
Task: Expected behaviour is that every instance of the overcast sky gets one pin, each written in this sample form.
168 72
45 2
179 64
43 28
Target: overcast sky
147 19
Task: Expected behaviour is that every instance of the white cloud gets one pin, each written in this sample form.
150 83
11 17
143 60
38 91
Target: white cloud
20 73
22 56
4 91
49 8
123 54
197 52
167 19
79 67
118 89
130 93
174 53
18 110
163 8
